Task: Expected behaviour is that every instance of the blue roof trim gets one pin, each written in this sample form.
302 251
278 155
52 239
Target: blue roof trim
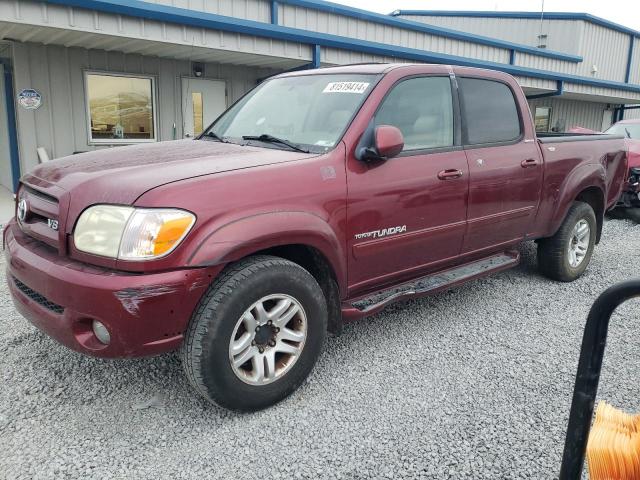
351 12
162 13
535 15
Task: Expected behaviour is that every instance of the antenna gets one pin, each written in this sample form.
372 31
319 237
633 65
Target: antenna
542 37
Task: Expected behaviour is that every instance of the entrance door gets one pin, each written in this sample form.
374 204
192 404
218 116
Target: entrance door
202 102
5 152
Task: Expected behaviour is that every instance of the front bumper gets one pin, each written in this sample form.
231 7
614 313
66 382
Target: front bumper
145 314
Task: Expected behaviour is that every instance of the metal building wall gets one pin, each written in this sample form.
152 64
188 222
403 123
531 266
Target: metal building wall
594 43
632 114
37 22
572 113
325 22
258 10
60 125
635 63
563 35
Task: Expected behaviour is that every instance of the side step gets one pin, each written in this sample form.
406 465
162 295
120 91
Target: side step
429 284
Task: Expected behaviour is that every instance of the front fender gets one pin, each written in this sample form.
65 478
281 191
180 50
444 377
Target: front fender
248 235
590 175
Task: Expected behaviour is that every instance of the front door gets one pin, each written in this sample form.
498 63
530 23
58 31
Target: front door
505 168
202 102
407 215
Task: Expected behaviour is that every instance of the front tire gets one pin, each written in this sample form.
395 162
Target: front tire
567 254
256 334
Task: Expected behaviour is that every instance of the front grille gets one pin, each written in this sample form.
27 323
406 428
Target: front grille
39 299
41 217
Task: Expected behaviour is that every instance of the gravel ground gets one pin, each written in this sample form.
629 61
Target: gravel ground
471 383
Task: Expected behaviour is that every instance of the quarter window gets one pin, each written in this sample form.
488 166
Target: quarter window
121 108
422 109
490 111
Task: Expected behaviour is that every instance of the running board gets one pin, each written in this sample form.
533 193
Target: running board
429 284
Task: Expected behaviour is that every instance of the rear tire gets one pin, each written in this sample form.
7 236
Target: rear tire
256 334
567 254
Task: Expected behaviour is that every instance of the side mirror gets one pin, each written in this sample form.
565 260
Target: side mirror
383 143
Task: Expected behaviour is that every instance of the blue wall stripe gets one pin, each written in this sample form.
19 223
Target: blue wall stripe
14 154
357 13
274 12
197 19
587 17
627 75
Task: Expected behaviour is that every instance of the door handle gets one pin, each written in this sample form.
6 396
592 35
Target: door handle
450 174
529 162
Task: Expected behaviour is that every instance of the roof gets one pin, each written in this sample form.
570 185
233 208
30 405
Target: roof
587 17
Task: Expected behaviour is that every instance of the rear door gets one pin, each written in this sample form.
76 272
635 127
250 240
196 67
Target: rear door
408 214
505 168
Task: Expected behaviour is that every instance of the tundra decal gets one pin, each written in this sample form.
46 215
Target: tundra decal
382 233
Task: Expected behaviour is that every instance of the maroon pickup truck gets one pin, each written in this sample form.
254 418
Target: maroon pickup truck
320 197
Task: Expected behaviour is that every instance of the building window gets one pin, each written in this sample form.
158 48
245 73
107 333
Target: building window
543 119
121 108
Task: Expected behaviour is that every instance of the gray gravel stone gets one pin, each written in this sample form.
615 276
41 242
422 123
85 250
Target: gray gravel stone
471 383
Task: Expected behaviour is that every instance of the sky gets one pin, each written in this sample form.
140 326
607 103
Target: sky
624 12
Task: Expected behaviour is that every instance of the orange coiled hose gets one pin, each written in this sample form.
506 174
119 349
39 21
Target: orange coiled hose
613 450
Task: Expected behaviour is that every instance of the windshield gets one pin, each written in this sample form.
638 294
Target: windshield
309 111
628 130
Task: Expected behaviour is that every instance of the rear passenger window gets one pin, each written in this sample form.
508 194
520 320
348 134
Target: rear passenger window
423 111
489 110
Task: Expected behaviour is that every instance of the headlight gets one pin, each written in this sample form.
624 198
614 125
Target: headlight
129 233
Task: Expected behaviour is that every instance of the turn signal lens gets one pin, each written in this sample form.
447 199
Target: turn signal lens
154 233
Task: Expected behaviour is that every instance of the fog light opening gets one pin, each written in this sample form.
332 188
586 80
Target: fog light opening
101 332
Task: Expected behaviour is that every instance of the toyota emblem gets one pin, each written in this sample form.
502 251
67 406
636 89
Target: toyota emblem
22 210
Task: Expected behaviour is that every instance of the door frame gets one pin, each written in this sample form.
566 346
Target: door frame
182 78
12 133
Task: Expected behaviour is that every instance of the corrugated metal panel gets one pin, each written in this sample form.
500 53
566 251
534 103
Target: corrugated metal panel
77 27
60 124
605 48
334 56
600 46
259 10
316 21
571 113
632 114
542 63
561 34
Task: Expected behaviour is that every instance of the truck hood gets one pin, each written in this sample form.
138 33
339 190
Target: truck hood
121 175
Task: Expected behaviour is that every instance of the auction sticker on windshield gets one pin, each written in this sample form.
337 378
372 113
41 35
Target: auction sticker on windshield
346 87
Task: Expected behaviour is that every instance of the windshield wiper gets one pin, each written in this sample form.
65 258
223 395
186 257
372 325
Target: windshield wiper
265 137
628 133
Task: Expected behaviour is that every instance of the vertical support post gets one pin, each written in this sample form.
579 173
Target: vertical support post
627 75
512 57
621 113
274 12
315 62
11 123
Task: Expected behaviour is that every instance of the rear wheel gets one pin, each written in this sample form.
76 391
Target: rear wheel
256 334
567 254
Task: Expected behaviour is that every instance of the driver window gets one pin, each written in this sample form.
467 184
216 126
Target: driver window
422 108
